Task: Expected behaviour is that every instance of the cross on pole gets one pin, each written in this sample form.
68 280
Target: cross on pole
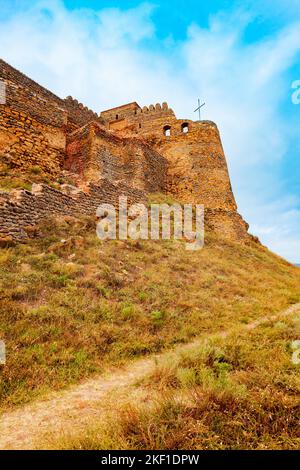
199 108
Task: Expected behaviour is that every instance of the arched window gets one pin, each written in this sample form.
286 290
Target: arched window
167 131
117 116
185 128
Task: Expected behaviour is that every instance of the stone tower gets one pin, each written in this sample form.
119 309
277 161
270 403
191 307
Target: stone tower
196 169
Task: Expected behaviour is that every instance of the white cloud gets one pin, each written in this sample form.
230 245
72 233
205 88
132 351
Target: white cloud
277 224
103 58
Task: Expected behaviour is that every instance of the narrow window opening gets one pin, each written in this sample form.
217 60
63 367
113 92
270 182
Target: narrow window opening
185 128
167 131
117 116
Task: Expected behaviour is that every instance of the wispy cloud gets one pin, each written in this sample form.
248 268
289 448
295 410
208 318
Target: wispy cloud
112 56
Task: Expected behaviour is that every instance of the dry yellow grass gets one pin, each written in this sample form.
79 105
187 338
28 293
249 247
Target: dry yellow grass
241 391
69 309
236 392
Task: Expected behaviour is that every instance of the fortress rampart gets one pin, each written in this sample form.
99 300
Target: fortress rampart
127 149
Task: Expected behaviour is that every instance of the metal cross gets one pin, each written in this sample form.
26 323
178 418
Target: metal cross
199 109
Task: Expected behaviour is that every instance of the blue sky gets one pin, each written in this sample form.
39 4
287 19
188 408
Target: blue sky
241 57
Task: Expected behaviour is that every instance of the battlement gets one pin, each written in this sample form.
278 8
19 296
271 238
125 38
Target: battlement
78 112
134 110
132 116
162 109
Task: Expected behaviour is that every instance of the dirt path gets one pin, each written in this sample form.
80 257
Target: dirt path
20 429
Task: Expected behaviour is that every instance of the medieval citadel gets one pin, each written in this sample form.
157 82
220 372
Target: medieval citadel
127 150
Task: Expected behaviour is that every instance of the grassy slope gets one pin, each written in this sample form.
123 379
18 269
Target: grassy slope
238 392
68 310
11 178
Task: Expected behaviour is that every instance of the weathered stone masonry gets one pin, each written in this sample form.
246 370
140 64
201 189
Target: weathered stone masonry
34 123
22 210
126 150
93 153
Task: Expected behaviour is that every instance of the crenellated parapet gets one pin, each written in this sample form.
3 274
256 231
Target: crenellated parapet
78 113
158 110
133 112
134 118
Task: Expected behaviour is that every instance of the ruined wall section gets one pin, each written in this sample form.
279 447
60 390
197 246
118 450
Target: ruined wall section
78 151
26 143
34 123
95 153
227 224
22 210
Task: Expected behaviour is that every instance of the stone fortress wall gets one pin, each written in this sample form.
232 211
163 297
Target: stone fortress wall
34 122
95 153
22 210
124 150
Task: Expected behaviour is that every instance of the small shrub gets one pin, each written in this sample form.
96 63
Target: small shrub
186 377
59 280
158 318
35 170
103 291
143 296
128 311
